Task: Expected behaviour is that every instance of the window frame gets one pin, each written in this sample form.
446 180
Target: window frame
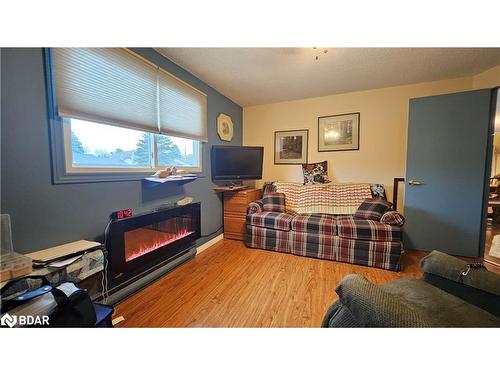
64 172
71 169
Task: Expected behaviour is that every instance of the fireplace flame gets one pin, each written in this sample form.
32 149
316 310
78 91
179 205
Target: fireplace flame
149 247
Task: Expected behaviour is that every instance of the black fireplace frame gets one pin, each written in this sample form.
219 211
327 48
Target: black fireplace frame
121 271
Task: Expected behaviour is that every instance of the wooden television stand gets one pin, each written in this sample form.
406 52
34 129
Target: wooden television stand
223 189
236 201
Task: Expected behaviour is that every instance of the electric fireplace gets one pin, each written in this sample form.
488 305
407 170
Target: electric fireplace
141 243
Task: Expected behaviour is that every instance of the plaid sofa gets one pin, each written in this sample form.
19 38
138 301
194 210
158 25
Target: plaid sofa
335 237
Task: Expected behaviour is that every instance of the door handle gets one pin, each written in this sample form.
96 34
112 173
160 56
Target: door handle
413 182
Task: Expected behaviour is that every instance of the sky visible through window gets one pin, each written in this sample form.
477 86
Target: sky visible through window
94 144
98 137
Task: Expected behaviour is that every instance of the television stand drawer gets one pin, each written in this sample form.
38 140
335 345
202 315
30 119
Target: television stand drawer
235 211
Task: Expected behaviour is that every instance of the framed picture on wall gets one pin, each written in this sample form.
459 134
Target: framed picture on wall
338 132
290 146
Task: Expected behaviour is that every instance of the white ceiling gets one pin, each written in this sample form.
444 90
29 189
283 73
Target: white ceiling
251 76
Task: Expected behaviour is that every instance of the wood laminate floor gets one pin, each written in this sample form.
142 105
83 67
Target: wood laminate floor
230 285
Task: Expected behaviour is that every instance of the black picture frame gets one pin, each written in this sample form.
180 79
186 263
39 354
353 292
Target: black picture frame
304 148
355 133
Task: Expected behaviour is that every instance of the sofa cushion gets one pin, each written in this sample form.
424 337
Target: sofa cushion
315 223
268 187
272 220
315 173
348 227
392 217
378 190
274 202
372 209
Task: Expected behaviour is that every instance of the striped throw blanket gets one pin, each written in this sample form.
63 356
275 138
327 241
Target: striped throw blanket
335 199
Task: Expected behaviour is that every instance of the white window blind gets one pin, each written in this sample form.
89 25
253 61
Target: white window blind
106 85
183 109
116 87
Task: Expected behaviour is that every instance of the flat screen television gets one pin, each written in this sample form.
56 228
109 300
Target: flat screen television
237 163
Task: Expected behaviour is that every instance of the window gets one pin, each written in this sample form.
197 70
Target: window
114 112
97 148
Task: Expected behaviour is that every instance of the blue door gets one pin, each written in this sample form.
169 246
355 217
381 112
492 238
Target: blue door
447 171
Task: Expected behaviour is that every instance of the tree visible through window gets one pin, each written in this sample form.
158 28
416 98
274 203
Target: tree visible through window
142 153
168 152
76 145
103 146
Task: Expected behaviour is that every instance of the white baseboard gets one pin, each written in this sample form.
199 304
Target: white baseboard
207 244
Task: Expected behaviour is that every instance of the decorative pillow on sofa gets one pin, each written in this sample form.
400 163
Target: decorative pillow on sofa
378 190
269 187
315 173
392 217
372 209
274 202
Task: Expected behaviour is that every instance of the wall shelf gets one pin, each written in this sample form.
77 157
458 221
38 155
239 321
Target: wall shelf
170 179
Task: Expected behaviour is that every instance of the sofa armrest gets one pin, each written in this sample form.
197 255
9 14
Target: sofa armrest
255 207
392 217
371 306
456 270
338 316
477 286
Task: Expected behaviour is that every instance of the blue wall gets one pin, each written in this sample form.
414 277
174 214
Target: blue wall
44 214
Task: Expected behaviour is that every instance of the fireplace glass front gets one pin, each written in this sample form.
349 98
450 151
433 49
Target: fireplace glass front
144 240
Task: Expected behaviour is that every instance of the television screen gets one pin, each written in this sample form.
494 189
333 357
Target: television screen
237 163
